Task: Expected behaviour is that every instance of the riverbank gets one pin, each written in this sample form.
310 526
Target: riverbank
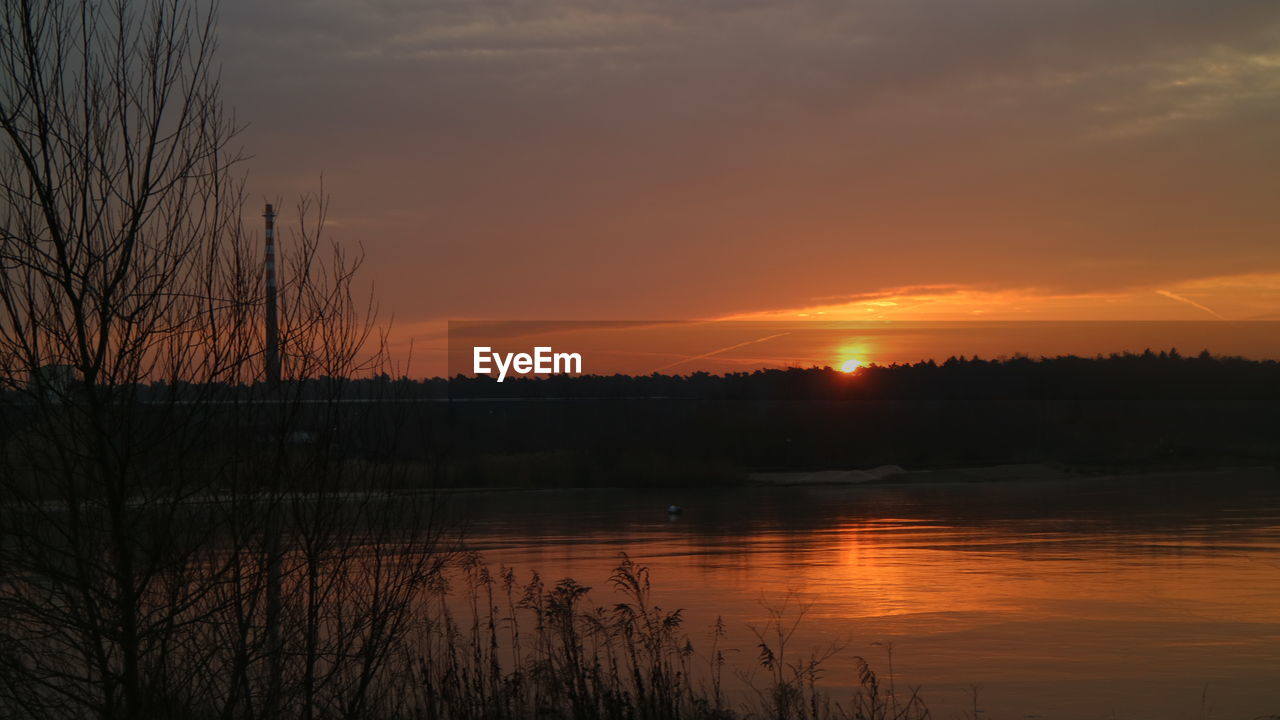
1020 472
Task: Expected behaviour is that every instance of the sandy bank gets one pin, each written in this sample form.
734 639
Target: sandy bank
896 474
893 474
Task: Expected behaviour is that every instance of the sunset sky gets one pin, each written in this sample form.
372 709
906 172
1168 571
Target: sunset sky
676 159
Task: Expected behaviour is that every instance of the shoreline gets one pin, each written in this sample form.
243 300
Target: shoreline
1004 473
891 475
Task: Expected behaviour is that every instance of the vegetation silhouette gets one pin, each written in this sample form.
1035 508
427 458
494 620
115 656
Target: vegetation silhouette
1127 412
1122 412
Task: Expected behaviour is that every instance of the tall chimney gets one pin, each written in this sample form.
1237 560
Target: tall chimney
273 330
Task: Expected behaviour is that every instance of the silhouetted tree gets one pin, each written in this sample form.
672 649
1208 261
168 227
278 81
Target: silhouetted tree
146 480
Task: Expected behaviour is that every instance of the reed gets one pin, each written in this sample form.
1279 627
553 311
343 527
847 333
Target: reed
495 648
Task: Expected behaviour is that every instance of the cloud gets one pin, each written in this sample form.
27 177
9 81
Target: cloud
685 158
1243 297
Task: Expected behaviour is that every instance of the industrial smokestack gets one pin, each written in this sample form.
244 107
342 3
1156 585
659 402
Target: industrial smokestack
273 330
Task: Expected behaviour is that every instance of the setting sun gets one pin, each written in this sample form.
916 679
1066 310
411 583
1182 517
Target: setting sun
851 365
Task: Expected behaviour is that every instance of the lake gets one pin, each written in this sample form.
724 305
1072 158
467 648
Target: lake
1135 597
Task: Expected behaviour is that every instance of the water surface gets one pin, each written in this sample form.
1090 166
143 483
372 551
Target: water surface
1150 597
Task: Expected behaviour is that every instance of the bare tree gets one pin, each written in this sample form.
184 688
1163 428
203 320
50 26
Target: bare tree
117 200
147 480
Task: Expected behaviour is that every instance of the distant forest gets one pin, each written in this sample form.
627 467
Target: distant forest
1121 412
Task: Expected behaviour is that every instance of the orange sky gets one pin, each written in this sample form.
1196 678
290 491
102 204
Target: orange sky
641 348
896 159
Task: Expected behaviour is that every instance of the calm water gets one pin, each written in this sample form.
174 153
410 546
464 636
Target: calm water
1136 598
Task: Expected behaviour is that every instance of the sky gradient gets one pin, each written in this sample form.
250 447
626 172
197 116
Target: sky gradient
674 159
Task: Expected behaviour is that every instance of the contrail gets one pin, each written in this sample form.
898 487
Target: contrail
1189 301
717 352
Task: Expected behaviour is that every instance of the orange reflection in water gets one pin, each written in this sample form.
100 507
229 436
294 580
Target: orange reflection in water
1071 612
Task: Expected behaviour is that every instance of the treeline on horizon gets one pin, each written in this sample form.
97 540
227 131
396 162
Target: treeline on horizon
1125 411
1165 373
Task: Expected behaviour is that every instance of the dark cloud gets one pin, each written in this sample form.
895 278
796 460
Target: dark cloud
673 158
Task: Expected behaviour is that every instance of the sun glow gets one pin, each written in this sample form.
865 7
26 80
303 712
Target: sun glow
851 365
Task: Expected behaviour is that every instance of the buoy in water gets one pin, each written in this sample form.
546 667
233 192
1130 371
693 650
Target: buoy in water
674 509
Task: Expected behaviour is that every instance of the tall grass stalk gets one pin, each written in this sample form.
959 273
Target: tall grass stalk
533 651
